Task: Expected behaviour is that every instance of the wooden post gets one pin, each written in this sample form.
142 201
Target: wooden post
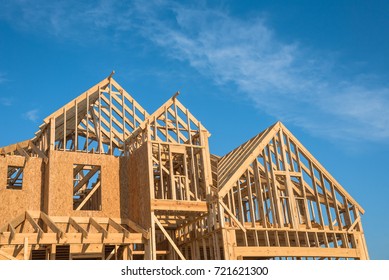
292 200
101 147
26 251
87 122
53 251
110 119
76 126
52 133
64 129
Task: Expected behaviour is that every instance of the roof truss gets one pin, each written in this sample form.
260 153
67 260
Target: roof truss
97 121
272 179
170 123
40 228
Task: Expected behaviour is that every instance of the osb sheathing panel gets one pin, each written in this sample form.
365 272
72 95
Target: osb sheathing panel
124 174
60 183
139 187
15 202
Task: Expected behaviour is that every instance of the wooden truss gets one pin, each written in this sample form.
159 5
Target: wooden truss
267 199
32 232
274 193
97 121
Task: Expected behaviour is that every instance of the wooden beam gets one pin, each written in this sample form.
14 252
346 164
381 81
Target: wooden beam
6 255
134 226
316 163
232 216
357 220
71 238
168 237
30 219
47 220
22 151
78 227
179 205
12 230
26 255
13 147
97 226
118 227
37 150
15 222
252 251
85 200
52 133
234 175
86 178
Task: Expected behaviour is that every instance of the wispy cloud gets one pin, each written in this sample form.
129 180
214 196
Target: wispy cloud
81 21
32 115
6 101
287 80
284 79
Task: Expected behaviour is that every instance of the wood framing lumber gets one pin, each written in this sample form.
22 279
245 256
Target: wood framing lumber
15 222
168 237
25 248
12 231
30 219
251 251
86 178
78 227
357 220
103 177
13 147
92 94
6 255
232 216
134 226
118 227
97 226
37 150
47 220
71 238
233 175
91 192
179 205
317 163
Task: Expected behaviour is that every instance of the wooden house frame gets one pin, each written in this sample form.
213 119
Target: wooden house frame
103 179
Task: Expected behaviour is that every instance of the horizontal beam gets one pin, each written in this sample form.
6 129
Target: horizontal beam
71 238
252 251
178 205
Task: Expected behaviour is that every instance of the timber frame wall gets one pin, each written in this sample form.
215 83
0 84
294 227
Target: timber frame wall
103 179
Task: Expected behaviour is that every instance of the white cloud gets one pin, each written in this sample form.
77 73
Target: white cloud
80 21
284 79
32 115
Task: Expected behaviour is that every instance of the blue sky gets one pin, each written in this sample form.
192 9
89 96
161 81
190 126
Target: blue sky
320 68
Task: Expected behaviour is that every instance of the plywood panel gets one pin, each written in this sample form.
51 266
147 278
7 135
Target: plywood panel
15 202
60 183
139 190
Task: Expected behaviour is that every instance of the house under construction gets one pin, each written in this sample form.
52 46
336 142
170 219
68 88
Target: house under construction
104 179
